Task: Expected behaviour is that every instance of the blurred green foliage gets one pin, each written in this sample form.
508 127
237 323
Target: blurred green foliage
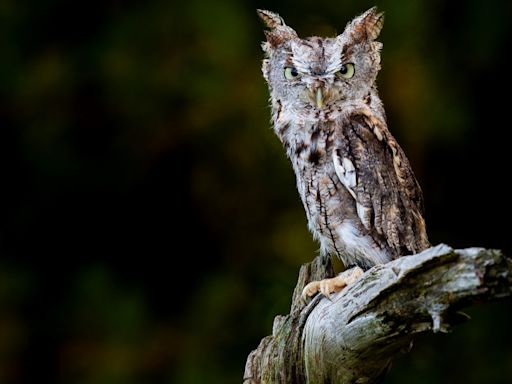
150 229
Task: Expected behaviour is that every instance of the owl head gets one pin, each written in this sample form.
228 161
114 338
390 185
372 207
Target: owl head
313 76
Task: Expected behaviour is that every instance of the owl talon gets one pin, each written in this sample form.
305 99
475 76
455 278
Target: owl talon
336 284
311 289
326 287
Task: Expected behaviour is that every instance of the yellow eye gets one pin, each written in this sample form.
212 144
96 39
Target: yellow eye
346 71
291 73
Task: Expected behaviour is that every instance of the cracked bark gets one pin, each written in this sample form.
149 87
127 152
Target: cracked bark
354 337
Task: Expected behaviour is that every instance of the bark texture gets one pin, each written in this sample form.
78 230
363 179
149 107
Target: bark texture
353 337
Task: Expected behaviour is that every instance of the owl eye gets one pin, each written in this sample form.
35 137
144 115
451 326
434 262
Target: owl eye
291 73
346 71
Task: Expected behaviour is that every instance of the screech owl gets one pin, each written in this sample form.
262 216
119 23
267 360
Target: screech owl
362 200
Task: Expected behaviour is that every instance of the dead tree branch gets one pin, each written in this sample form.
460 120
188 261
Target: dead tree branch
354 337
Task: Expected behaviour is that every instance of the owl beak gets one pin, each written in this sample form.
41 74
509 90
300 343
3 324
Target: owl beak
319 98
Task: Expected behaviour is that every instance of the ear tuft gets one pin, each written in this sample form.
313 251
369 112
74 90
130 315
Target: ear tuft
271 19
279 31
368 25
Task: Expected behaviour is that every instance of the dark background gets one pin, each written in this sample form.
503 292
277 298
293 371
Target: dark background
150 229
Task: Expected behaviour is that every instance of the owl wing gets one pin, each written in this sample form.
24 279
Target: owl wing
374 169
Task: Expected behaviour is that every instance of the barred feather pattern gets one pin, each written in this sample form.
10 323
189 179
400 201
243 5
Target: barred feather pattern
362 201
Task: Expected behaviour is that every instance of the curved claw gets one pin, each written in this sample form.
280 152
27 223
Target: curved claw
336 284
310 289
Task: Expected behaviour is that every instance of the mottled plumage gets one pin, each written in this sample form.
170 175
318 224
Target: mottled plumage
361 198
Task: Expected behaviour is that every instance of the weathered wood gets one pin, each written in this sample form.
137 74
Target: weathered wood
354 337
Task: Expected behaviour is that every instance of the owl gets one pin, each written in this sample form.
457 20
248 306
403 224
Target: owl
362 201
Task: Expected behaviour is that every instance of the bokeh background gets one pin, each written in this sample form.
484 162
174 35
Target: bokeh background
150 229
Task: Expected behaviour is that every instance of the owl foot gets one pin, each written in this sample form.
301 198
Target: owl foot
336 284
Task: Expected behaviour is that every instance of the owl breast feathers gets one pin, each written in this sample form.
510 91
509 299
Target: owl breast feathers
361 198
